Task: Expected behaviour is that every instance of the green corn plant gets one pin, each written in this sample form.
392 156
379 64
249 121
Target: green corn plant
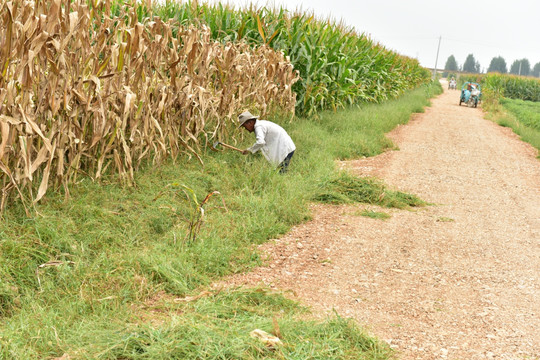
337 66
509 86
196 214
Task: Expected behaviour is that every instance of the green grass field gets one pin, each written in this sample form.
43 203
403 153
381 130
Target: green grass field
524 118
527 112
96 276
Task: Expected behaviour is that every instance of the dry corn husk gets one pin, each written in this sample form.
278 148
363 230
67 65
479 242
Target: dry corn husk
269 340
84 93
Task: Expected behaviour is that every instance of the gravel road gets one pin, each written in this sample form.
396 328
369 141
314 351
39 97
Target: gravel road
459 279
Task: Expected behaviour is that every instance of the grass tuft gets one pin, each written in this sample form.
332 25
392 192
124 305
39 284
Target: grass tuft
375 214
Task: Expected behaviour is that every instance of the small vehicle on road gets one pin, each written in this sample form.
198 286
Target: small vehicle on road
471 94
452 84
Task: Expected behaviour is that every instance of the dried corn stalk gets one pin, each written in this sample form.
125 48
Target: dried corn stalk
85 92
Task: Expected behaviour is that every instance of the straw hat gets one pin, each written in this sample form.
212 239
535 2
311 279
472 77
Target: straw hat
245 116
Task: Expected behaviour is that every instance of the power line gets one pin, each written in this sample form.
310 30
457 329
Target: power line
473 43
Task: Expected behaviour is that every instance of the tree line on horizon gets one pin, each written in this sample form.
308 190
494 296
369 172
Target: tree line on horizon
497 64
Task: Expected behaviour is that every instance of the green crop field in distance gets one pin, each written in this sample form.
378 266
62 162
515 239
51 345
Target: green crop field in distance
524 118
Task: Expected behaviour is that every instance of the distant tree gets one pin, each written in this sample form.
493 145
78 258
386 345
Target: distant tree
477 67
525 67
498 64
451 64
470 64
514 68
520 67
536 70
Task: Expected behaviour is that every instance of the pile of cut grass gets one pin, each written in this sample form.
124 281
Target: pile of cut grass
346 188
375 214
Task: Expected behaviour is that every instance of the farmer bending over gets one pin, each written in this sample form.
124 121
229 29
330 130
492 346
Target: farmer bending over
273 141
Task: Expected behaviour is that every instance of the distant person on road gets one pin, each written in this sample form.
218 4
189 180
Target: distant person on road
273 141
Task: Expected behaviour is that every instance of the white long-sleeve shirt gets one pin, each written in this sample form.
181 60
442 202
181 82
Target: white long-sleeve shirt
273 141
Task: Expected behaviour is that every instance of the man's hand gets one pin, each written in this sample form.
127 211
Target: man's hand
245 152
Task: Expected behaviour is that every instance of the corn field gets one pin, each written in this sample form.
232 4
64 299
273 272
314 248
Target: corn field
90 87
509 86
338 66
513 86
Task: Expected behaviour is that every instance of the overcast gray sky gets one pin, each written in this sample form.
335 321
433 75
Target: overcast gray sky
486 29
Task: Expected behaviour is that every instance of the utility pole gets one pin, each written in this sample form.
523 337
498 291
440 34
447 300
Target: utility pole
520 68
437 58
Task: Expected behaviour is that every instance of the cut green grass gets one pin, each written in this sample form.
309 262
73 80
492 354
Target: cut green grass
213 327
375 214
445 219
76 277
346 188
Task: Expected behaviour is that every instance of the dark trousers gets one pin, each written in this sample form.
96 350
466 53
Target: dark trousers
283 167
